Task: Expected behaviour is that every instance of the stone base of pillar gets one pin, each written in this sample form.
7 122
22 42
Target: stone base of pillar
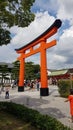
20 88
44 91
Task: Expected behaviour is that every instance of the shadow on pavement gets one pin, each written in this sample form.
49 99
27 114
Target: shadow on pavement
54 112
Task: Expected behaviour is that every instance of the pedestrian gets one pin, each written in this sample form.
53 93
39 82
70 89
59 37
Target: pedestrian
7 92
37 84
0 91
32 85
70 99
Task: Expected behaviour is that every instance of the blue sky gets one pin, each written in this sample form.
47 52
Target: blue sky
46 12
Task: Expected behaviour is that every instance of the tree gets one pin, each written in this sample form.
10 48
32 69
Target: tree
15 70
14 12
31 70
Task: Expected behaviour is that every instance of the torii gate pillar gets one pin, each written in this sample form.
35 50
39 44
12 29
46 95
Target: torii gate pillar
44 90
44 82
21 74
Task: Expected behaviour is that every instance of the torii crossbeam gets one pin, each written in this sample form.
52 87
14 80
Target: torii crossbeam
44 90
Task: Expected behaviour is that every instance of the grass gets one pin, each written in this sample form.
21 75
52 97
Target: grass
9 122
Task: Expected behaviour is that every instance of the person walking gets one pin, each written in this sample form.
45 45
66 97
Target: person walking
7 92
37 84
70 99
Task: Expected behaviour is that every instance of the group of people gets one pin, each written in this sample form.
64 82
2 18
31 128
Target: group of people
37 83
32 84
28 83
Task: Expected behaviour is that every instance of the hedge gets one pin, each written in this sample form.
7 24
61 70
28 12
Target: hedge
64 87
42 122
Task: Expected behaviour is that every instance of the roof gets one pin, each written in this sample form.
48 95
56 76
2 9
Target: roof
56 24
58 72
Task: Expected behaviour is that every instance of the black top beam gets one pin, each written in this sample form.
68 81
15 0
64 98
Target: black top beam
56 24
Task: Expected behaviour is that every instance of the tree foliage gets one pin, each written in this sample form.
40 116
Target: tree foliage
14 12
31 70
15 70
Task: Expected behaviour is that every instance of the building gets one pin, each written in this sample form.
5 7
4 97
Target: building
7 77
56 75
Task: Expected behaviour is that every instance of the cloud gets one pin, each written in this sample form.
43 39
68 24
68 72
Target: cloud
59 56
24 35
7 54
48 5
65 10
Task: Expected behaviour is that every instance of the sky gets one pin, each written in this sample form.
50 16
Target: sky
46 12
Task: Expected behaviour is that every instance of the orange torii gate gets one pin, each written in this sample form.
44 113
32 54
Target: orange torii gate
44 91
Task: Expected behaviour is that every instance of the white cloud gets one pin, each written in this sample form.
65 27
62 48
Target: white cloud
25 35
49 5
65 10
61 55
7 54
58 56
22 36
66 40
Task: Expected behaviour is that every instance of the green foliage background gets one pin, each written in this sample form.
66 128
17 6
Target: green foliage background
14 13
64 87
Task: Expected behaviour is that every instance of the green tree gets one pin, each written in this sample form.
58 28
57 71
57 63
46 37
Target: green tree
14 12
15 70
31 70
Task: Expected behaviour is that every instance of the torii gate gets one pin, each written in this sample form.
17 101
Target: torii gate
44 90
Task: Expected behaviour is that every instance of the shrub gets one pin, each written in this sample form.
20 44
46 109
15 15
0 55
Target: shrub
42 122
64 87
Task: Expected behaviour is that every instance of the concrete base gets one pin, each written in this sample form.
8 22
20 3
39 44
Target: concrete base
20 88
44 91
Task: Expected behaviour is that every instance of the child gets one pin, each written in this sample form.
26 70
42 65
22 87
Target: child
70 99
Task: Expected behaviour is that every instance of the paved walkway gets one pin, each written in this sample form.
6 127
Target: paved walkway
52 105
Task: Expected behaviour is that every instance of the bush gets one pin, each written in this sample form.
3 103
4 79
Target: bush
64 87
42 122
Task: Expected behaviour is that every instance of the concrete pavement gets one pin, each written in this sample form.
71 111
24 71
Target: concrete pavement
52 105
